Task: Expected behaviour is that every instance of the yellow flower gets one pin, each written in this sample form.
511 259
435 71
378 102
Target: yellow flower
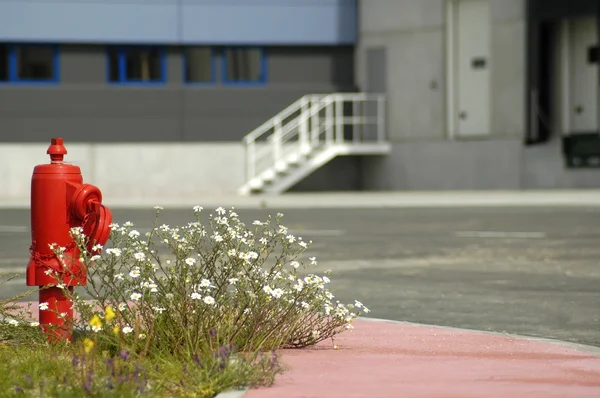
116 329
109 314
88 345
95 321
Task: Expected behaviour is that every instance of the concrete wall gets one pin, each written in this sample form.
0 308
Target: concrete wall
85 108
180 21
133 171
413 34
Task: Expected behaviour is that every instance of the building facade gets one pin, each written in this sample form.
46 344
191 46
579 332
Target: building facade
483 94
153 97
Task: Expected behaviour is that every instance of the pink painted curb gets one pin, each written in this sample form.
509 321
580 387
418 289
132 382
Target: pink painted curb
393 360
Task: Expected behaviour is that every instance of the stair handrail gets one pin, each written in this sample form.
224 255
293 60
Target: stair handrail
269 124
281 128
274 146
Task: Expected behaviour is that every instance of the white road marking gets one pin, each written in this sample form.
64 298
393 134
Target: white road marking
14 228
500 235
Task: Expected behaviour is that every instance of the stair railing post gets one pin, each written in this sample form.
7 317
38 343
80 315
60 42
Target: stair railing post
277 141
339 122
380 119
303 127
329 123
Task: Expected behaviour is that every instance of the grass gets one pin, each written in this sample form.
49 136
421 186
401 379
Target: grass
31 367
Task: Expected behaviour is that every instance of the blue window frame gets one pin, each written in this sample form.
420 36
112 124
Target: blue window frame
29 64
244 66
140 65
199 65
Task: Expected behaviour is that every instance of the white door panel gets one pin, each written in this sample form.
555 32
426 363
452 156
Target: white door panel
472 60
583 100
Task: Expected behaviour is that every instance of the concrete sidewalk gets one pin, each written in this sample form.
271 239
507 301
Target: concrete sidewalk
384 359
360 199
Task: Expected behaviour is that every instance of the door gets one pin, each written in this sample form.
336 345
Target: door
583 76
471 42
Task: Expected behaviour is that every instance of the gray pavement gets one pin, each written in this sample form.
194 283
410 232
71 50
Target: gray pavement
524 270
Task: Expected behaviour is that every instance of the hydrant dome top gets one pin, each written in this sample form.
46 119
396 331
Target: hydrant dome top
56 150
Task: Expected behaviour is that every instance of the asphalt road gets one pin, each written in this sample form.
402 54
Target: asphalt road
531 271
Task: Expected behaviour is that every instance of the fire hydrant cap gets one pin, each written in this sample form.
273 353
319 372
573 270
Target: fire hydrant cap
56 150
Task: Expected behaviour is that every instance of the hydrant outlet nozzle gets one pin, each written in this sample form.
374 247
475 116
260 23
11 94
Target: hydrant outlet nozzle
56 150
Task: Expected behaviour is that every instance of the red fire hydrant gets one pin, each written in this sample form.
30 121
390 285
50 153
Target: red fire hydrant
61 201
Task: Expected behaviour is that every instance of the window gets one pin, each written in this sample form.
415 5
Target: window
199 65
136 65
28 63
244 66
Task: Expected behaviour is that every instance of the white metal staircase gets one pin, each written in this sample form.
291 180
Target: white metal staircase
308 134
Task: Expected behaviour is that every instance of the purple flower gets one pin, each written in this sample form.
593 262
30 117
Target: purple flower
124 355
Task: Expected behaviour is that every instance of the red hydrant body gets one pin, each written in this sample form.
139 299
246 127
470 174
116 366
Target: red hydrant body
61 201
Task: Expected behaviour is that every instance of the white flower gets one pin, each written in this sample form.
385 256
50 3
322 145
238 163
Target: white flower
34 324
160 310
305 305
299 285
231 252
195 296
316 334
295 264
134 273
366 310
209 300
277 293
114 226
204 283
220 210
43 306
217 237
267 290
128 224
114 251
120 276
97 247
127 329
95 258
326 279
190 261
122 306
13 322
96 329
153 287
169 296
263 241
158 208
303 244
139 256
329 295
134 234
290 238
48 271
358 304
233 280
257 222
198 209
349 326
313 260
135 296
252 255
142 336
62 314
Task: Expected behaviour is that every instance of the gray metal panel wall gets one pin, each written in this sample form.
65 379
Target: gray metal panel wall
84 108
238 22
